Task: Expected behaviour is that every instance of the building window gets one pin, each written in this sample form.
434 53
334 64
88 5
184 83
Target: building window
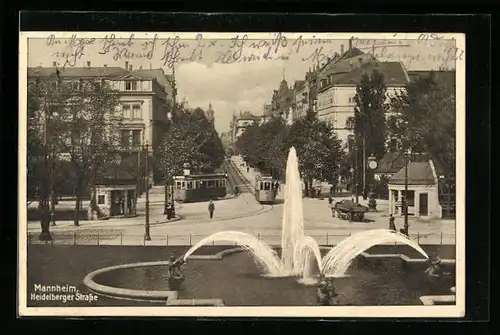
349 123
136 137
126 111
125 138
410 198
136 112
100 200
350 143
75 85
131 86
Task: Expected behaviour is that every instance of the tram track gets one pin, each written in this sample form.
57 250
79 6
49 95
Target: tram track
236 179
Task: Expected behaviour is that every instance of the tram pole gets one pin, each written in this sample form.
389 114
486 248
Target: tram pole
147 236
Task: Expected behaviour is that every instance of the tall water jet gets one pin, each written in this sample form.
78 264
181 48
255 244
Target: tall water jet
337 260
293 218
262 253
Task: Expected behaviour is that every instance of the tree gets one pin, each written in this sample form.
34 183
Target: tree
81 122
263 146
423 118
190 138
318 149
369 119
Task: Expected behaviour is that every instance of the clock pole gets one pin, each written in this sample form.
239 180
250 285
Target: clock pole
372 165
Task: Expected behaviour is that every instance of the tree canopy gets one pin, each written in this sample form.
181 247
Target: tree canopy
190 138
423 118
318 148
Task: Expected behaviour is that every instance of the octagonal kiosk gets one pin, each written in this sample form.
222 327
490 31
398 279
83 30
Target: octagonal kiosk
423 191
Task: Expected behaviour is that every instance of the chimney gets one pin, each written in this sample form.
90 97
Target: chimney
88 64
54 64
341 49
350 43
130 67
126 65
327 60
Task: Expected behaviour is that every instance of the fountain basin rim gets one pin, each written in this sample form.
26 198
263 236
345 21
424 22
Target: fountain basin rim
149 295
430 300
118 292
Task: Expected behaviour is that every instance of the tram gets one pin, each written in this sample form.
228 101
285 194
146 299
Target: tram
265 190
192 188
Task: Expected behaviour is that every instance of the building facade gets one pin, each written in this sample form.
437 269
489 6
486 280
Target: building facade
301 103
244 121
335 101
145 98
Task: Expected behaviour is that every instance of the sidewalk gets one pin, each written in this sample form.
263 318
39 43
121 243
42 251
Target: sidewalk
197 212
248 175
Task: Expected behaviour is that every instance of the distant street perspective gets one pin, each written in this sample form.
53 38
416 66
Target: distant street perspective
287 183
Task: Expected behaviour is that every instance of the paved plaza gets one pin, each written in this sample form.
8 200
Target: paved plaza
245 214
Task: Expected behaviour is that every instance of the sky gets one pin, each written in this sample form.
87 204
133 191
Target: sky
236 72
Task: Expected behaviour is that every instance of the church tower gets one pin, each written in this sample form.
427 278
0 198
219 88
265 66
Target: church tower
210 113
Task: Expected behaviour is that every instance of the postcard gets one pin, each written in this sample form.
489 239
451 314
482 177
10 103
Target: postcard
241 174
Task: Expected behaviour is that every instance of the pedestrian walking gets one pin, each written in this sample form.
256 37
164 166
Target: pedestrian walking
211 208
392 224
277 186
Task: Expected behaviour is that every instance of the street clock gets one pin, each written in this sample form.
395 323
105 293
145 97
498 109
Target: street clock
372 162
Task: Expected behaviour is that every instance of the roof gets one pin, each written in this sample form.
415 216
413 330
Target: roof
299 84
419 173
283 89
394 74
442 78
157 74
100 72
392 162
248 116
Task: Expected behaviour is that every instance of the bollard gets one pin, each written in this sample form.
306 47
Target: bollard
190 244
441 237
167 239
213 241
74 239
97 238
121 238
144 239
327 239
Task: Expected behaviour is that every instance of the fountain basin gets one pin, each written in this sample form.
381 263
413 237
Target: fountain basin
238 281
93 283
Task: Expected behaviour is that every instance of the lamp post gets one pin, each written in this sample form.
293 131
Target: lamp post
352 180
372 165
167 177
405 197
147 236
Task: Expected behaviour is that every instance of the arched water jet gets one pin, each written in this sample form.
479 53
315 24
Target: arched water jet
262 253
304 249
338 259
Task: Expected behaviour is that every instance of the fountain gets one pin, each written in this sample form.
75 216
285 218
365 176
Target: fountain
297 249
300 259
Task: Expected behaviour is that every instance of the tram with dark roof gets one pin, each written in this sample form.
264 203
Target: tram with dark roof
200 187
265 189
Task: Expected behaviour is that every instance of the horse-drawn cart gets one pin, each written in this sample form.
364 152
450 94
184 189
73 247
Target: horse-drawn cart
349 210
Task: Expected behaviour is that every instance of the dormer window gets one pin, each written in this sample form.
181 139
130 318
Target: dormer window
130 86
